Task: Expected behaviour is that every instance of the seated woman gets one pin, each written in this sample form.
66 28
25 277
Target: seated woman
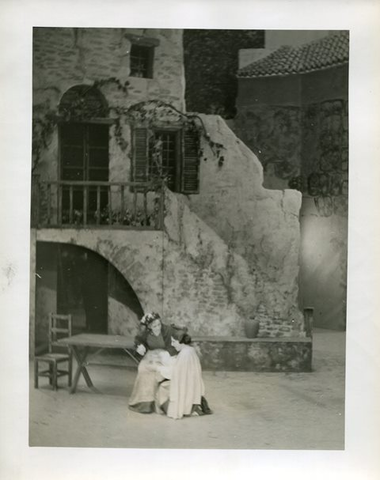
184 394
155 347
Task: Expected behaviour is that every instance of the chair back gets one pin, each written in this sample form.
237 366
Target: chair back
59 327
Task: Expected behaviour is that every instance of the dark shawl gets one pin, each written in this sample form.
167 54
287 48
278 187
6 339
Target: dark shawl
167 333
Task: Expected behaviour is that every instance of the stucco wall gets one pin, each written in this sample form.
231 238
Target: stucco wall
166 276
124 309
324 217
269 123
273 132
226 253
323 276
191 276
65 57
298 127
260 225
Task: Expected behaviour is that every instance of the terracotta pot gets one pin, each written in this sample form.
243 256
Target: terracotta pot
251 327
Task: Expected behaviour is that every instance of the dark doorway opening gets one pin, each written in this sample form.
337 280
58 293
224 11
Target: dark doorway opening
83 288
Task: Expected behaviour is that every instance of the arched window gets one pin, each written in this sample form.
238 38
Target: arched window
83 102
84 152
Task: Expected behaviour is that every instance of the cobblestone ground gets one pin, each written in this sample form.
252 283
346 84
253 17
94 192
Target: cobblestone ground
251 410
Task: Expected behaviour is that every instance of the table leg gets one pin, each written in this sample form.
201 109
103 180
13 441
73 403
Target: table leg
131 355
81 368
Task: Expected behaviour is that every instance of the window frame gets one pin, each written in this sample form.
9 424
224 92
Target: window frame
148 68
177 131
144 42
180 167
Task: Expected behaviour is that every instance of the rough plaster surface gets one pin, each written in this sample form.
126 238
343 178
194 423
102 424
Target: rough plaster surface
164 277
226 254
303 139
65 57
324 271
261 226
257 355
121 319
219 289
273 132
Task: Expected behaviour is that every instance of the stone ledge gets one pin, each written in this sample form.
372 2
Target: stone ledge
251 340
237 354
255 355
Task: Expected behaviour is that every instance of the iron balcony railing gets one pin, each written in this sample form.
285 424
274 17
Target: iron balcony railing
80 204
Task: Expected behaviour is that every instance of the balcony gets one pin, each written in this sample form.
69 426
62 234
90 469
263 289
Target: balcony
110 205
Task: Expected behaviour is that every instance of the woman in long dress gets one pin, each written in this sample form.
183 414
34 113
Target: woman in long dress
184 394
154 345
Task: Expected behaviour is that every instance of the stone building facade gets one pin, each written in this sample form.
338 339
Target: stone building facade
225 248
293 113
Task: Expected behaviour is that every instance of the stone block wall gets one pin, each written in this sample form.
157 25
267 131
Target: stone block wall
124 309
163 277
226 254
257 355
187 273
66 57
298 127
261 226
273 132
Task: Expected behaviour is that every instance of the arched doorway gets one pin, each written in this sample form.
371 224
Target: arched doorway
75 280
82 288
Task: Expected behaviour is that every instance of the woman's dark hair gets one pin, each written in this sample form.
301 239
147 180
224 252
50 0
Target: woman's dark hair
185 338
149 318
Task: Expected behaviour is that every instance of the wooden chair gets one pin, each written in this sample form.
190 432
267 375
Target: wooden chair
59 327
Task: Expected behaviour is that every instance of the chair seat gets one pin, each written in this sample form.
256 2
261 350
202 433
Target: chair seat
59 327
47 373
53 357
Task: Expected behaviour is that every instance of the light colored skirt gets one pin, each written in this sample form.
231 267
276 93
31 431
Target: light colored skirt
182 396
154 368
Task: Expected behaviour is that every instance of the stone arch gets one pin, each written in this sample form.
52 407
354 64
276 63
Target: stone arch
83 101
65 285
108 260
126 251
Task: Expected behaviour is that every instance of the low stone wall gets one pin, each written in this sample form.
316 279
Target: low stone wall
237 354
255 355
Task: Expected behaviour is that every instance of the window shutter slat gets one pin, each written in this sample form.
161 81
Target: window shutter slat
190 166
140 155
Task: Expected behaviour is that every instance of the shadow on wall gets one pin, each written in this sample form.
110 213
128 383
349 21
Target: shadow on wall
77 281
323 274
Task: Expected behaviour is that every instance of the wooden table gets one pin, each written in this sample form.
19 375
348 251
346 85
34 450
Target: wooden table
81 344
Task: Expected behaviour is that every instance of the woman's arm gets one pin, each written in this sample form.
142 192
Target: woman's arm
140 341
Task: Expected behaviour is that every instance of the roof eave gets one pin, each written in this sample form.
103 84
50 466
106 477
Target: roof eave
319 69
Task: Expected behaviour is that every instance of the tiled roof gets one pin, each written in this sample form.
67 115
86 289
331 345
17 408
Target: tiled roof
326 52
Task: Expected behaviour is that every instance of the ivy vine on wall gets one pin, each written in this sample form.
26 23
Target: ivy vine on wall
145 114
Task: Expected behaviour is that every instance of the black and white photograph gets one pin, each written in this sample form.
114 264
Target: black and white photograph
192 268
189 238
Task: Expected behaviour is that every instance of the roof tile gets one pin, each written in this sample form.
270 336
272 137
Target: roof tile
326 52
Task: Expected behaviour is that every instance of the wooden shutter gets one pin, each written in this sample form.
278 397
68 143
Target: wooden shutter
190 162
140 155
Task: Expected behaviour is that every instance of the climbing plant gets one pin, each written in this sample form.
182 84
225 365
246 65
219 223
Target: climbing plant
145 113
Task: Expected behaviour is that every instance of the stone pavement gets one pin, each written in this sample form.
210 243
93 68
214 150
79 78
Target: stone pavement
251 410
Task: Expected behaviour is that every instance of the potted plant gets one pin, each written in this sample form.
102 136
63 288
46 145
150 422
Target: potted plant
252 323
251 327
